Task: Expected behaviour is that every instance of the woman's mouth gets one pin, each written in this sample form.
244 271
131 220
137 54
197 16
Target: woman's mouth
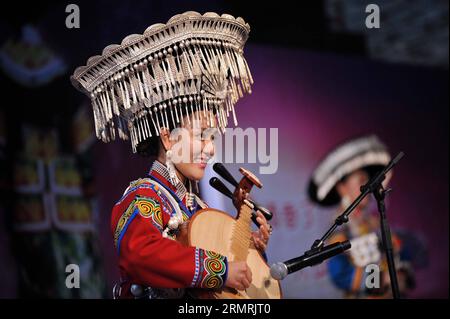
201 162
202 165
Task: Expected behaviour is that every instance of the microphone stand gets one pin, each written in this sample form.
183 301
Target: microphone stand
375 187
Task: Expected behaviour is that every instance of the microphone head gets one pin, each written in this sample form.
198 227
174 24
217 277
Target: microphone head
219 186
218 166
213 181
220 169
278 271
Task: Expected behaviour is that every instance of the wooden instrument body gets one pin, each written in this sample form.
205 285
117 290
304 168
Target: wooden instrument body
212 229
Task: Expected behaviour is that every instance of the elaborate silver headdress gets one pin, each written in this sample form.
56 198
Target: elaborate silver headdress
192 63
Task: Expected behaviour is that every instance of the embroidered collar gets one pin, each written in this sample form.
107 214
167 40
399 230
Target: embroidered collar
161 169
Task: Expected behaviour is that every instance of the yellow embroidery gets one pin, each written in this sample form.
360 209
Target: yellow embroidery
123 221
150 208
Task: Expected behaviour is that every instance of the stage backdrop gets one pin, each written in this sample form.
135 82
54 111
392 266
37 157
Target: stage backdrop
317 100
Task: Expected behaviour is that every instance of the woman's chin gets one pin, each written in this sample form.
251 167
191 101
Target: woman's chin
198 173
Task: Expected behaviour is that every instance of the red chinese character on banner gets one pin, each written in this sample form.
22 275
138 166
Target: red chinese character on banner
275 218
291 215
308 210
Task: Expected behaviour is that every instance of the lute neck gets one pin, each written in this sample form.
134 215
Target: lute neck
241 235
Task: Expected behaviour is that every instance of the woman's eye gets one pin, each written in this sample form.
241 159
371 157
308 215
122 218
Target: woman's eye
209 138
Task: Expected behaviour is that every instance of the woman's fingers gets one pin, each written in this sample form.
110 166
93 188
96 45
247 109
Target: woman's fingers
249 274
261 237
264 232
263 223
245 283
263 245
257 237
260 240
246 279
261 217
260 244
263 229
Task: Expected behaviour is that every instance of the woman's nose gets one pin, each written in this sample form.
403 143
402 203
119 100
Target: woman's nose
208 148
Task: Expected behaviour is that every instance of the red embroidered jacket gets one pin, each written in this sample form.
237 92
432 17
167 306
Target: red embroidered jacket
145 256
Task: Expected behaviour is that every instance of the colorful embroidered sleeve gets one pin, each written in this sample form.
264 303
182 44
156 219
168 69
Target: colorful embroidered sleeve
147 258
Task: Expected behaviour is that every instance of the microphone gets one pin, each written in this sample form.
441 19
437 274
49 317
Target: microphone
220 169
218 185
311 258
223 172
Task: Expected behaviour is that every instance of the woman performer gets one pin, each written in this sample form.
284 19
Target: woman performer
168 91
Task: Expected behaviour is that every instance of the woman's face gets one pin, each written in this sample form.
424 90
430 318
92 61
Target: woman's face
193 146
350 187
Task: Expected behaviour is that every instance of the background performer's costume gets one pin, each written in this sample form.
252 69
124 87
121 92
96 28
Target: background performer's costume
347 270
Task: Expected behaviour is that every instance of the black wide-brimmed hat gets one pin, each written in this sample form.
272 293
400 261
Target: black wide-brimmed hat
367 153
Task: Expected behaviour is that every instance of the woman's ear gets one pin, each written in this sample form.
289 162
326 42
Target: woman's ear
164 135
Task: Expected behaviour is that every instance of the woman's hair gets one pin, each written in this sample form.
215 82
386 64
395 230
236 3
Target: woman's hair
151 146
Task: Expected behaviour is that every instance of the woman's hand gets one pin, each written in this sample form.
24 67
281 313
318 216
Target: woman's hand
261 236
239 275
